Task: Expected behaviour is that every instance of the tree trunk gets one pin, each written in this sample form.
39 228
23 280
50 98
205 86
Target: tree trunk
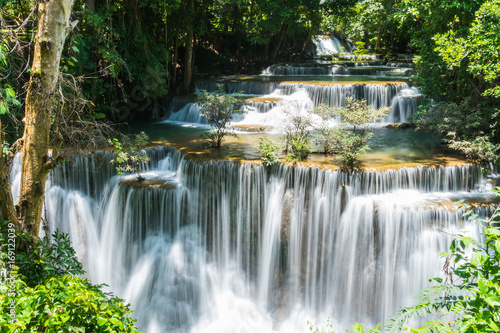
174 64
7 211
379 38
265 50
309 36
53 28
277 46
188 58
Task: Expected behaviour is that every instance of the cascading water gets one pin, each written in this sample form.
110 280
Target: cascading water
222 247
402 99
190 113
328 45
405 105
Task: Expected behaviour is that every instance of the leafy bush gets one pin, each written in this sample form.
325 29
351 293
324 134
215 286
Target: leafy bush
478 150
360 49
297 135
218 109
350 146
269 149
130 154
466 126
46 295
65 303
352 142
299 150
37 261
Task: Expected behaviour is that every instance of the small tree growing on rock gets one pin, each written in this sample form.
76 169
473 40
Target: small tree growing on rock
269 150
325 132
351 141
218 109
297 135
130 155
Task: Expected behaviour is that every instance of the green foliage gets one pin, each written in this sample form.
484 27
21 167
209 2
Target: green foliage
299 150
468 127
130 154
469 297
350 145
297 135
65 303
477 49
218 109
479 150
37 261
8 96
269 150
46 294
6 149
360 48
351 142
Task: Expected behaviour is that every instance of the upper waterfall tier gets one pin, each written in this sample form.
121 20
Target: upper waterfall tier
334 69
328 45
331 93
273 96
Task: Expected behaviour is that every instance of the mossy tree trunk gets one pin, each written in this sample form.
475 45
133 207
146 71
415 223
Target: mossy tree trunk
53 28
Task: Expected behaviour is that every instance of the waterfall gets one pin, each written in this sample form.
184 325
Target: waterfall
294 70
328 45
266 109
405 105
377 95
190 113
219 246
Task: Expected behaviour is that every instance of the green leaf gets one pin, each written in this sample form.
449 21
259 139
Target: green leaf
116 322
466 241
101 321
492 325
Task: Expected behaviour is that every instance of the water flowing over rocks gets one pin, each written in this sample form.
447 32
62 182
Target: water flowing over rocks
227 247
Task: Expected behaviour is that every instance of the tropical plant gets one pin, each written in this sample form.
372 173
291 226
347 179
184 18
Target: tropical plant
64 303
269 149
42 287
469 298
297 134
130 154
351 142
218 109
360 49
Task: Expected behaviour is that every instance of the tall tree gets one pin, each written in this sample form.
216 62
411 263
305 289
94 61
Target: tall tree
53 28
188 57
